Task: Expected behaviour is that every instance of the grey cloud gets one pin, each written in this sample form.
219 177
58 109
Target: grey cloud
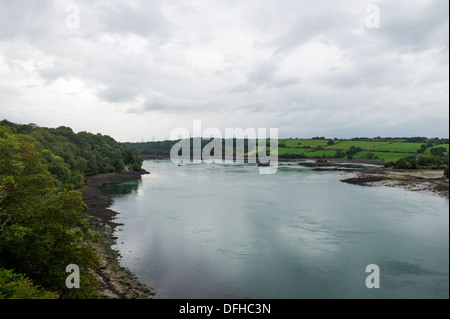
145 19
410 27
135 55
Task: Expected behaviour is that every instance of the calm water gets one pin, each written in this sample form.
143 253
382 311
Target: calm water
217 231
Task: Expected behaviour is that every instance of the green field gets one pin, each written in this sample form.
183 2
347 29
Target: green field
398 147
282 150
327 153
306 152
345 145
304 143
386 156
387 149
441 145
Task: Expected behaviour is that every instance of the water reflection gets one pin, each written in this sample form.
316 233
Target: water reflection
210 231
121 189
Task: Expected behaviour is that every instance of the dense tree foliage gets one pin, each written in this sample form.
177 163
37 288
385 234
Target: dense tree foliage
43 227
439 161
69 156
18 286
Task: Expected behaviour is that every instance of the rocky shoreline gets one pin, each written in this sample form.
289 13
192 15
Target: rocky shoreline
425 181
115 281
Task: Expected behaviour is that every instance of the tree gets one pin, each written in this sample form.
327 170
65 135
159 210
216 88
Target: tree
45 229
353 150
422 148
406 163
330 142
339 154
438 151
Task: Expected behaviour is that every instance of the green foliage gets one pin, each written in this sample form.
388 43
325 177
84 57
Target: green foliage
446 146
353 150
446 171
438 151
429 160
422 148
69 157
290 155
406 163
401 147
370 156
42 224
153 148
339 154
346 145
306 143
424 161
385 149
17 286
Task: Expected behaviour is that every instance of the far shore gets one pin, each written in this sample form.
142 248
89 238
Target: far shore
281 160
115 281
425 181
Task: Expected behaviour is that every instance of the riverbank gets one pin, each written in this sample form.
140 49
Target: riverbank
425 181
115 282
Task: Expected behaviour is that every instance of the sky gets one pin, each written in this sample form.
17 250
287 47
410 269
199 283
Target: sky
137 70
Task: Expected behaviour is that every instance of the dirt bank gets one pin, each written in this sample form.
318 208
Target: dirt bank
115 281
422 180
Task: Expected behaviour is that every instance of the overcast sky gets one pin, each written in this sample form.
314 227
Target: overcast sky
135 70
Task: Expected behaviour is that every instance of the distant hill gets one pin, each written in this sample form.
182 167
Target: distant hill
389 149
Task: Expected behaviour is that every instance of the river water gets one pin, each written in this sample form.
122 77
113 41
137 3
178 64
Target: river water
225 231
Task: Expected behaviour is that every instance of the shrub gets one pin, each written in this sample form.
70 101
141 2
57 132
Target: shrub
17 286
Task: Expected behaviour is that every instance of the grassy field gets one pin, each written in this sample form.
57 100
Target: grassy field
345 145
386 148
327 153
386 156
388 151
282 150
398 147
304 143
306 152
441 145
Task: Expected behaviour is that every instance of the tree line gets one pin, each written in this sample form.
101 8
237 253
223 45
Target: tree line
43 226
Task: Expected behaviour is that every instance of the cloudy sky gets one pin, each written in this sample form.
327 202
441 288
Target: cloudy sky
136 70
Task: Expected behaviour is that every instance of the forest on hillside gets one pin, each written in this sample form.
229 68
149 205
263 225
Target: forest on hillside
43 227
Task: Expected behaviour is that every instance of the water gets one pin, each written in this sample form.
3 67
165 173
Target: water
225 231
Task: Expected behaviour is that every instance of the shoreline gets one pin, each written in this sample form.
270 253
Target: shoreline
425 181
115 281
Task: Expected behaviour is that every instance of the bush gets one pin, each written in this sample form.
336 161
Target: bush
437 151
17 286
406 163
353 150
339 154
